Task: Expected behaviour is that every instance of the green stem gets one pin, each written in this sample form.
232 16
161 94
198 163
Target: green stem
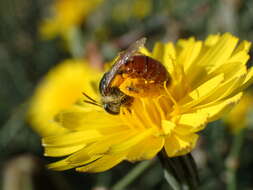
75 42
232 160
180 172
132 175
172 181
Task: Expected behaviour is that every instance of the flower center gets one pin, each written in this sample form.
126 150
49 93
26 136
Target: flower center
150 113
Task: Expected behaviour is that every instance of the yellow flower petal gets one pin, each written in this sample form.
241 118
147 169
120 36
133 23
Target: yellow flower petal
71 138
168 126
212 58
247 81
60 165
169 57
212 40
121 147
102 164
101 147
59 151
84 118
220 52
177 145
146 149
158 52
191 122
203 91
189 53
216 110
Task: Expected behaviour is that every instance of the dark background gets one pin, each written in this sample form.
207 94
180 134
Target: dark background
25 58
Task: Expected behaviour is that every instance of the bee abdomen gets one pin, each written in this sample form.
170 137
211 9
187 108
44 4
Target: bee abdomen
141 66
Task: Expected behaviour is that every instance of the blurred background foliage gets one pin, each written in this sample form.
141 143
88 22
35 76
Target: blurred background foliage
29 48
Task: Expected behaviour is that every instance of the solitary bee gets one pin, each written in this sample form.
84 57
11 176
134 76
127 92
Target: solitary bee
132 75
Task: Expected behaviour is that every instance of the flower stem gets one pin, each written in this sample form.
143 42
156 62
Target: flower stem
75 42
180 172
232 160
132 175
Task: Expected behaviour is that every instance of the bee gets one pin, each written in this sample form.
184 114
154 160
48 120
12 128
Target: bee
133 75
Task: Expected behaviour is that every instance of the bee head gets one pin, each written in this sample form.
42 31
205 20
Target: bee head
112 108
113 99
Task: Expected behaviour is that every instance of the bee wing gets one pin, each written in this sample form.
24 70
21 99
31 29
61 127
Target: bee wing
125 56
132 49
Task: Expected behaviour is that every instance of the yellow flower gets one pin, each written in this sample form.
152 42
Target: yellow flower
66 14
207 80
136 9
141 8
237 118
59 89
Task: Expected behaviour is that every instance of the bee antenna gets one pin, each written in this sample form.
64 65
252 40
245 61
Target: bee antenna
91 99
93 103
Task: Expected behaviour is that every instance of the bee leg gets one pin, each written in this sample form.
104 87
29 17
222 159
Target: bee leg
128 109
132 89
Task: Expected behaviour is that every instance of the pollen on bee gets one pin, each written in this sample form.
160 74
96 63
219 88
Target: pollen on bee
117 80
139 88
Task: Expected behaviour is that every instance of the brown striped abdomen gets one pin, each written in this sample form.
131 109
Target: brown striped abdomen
141 66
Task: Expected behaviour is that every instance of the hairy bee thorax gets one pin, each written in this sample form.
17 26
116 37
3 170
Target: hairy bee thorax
114 99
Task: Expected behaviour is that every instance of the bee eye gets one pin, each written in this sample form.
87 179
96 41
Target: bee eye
127 100
110 109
